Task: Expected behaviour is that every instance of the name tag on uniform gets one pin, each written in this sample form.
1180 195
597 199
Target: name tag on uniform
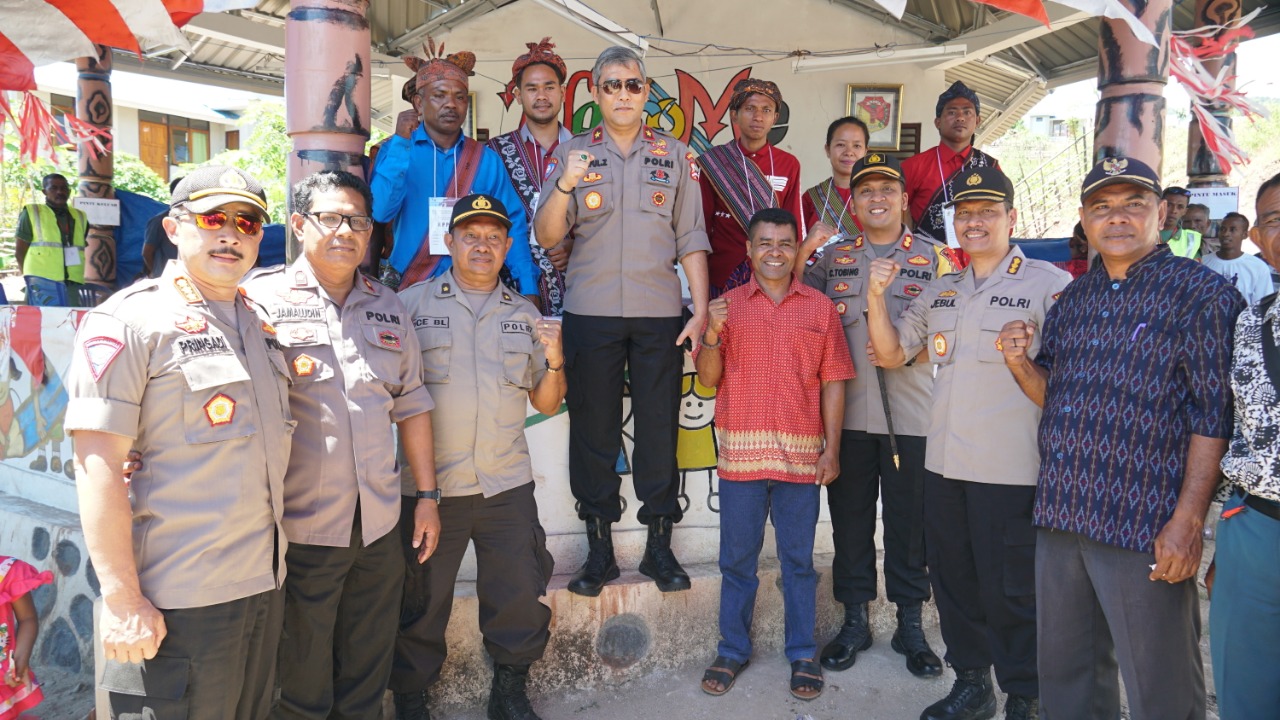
949 224
440 208
70 256
779 182
514 326
426 321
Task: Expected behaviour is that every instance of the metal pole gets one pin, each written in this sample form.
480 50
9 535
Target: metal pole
94 106
1131 80
326 88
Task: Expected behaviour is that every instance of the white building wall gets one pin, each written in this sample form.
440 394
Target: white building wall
815 99
125 126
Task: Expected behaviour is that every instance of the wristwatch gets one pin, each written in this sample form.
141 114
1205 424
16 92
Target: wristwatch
428 495
555 369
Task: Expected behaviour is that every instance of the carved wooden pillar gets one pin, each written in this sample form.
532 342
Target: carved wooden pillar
1203 168
326 88
1131 80
94 106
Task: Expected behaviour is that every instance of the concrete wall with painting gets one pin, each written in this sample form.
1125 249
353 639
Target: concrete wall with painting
692 88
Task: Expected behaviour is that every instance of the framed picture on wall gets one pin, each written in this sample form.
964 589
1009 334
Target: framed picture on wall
880 107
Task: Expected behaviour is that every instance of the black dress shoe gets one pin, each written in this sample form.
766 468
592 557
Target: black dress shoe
508 697
971 698
854 637
659 563
909 640
412 706
600 567
1022 707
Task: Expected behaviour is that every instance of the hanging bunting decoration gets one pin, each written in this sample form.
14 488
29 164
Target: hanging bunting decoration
1188 51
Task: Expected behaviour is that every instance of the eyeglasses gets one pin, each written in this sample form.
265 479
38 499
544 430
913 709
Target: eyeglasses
245 224
333 221
611 87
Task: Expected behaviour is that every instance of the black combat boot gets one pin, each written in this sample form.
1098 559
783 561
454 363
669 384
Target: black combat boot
853 638
412 706
1021 707
659 562
971 698
600 566
507 698
909 640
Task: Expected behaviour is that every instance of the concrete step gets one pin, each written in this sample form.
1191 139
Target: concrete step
632 631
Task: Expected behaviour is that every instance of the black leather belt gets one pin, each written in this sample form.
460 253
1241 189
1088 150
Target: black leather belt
1270 508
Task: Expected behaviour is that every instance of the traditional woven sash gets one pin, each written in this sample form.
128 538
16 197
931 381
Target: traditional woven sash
825 198
522 169
931 223
738 182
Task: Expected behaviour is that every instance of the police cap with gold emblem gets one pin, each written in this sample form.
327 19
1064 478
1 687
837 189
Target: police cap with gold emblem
984 183
1119 169
875 163
477 206
210 187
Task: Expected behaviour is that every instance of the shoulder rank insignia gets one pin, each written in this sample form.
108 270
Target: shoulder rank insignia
187 290
268 328
907 241
597 135
1057 295
506 296
858 242
918 260
367 284
191 325
648 134
220 410
1014 266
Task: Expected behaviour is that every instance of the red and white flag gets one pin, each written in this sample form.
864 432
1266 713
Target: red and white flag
40 32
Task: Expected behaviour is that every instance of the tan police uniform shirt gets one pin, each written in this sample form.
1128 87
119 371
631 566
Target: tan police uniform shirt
480 366
982 427
207 405
842 274
633 217
356 370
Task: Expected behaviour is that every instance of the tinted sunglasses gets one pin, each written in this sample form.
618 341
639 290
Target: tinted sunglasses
216 219
611 87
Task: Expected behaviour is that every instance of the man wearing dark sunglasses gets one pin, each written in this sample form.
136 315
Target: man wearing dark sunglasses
190 551
356 370
630 195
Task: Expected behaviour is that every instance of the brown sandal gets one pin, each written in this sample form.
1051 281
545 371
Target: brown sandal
806 679
723 671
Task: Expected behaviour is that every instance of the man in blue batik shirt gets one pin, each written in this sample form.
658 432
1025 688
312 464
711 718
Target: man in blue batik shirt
432 158
1134 378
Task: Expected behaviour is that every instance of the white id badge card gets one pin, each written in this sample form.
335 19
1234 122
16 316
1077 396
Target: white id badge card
70 256
438 223
949 223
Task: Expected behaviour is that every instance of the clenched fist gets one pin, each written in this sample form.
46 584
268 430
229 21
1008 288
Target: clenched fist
549 335
881 275
406 122
718 312
575 167
1015 337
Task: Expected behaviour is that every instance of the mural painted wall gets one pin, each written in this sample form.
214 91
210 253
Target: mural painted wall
35 351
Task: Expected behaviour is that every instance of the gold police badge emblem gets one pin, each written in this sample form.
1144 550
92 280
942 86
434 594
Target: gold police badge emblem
1114 166
974 179
220 409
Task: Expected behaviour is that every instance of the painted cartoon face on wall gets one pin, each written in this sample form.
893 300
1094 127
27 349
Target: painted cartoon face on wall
697 404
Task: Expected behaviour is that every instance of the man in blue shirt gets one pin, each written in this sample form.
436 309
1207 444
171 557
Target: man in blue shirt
432 158
1134 378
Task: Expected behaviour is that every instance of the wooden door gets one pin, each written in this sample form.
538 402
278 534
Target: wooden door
153 141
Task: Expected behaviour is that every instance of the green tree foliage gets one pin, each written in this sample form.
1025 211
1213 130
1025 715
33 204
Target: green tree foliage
264 154
133 175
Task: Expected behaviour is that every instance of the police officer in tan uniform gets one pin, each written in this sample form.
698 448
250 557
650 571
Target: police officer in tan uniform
881 452
356 371
486 355
630 195
190 552
981 458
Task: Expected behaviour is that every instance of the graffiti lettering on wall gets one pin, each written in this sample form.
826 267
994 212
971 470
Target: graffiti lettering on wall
692 114
33 398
